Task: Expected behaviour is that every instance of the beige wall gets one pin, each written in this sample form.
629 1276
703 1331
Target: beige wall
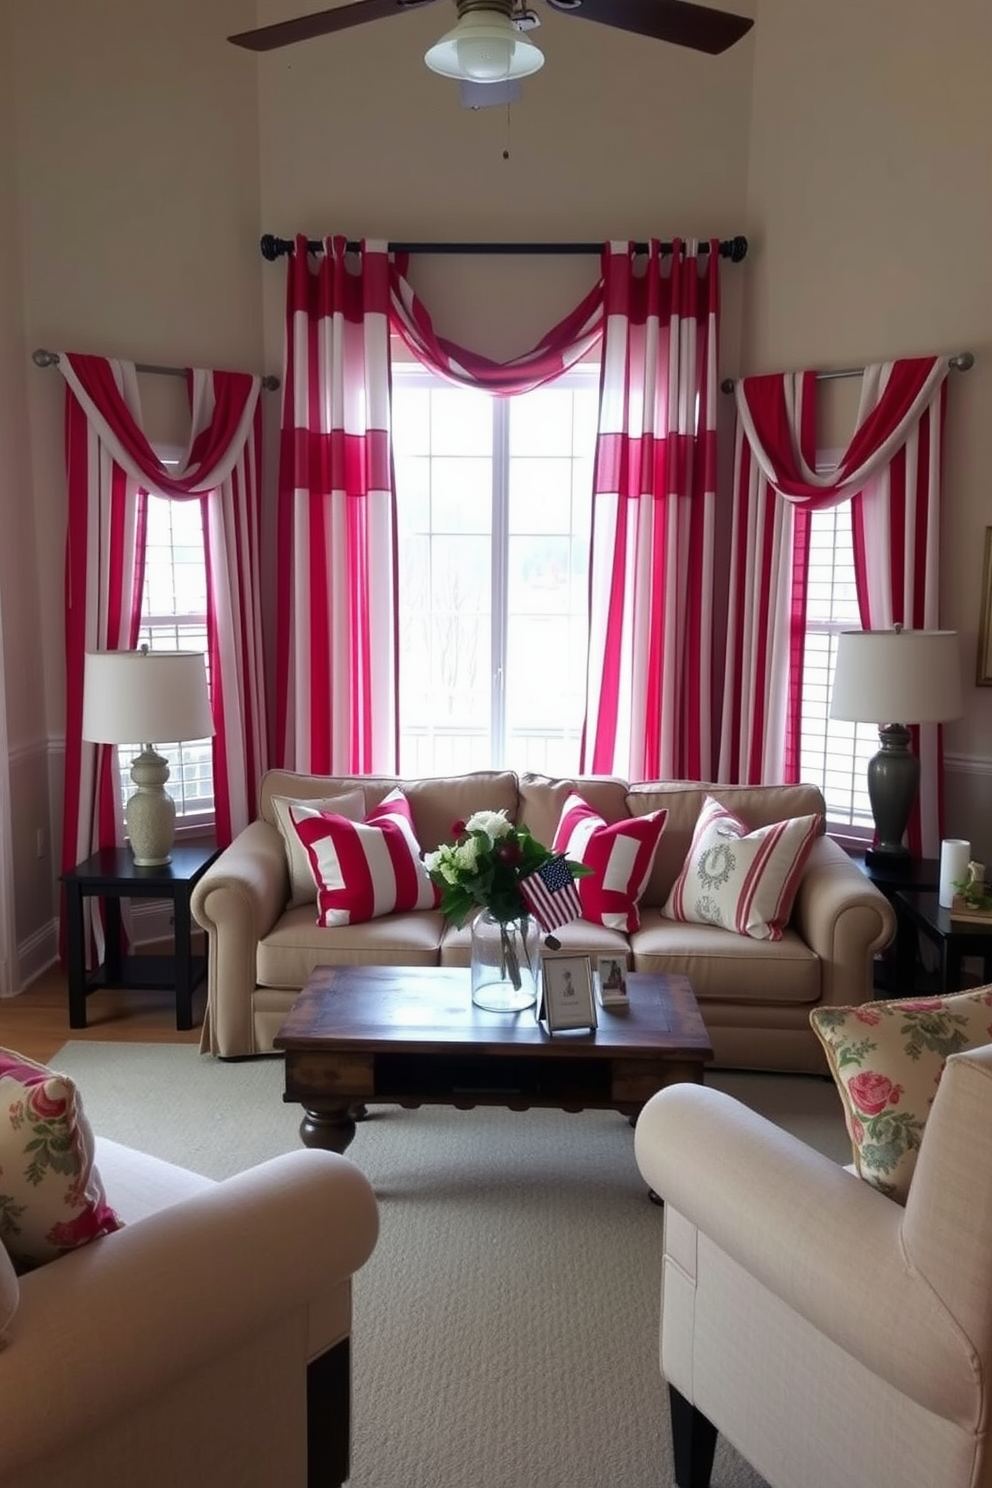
143 156
870 210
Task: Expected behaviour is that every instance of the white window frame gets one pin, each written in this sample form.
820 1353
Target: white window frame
850 745
585 376
189 630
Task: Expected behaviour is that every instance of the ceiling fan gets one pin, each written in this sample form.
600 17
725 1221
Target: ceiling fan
489 42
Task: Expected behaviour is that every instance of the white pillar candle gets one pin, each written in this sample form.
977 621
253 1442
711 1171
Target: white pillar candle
954 855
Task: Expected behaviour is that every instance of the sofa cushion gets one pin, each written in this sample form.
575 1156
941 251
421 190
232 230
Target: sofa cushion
436 802
51 1195
296 944
577 938
302 888
364 870
620 855
758 805
742 880
887 1059
729 969
542 798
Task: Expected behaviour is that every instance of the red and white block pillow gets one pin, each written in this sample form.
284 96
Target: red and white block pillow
366 869
621 855
744 881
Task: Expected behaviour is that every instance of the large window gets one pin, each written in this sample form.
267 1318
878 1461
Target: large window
834 754
174 618
493 496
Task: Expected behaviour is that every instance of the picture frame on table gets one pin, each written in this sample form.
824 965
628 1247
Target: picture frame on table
983 663
567 999
611 981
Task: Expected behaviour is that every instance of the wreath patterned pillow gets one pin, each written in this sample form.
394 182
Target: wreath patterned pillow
744 880
887 1059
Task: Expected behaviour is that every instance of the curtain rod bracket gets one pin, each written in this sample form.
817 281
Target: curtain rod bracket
962 361
43 358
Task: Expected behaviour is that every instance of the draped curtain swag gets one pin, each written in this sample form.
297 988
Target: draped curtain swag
891 473
110 466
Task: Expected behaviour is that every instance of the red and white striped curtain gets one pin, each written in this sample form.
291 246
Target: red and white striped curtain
891 472
336 592
649 689
110 465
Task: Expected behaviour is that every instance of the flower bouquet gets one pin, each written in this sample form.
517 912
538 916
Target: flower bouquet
489 865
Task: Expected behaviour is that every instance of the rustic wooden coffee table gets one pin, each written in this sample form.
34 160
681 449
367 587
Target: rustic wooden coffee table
411 1036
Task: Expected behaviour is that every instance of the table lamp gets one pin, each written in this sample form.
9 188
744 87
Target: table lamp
883 675
133 696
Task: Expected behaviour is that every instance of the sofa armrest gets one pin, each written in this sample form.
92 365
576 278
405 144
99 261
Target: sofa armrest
110 1325
237 901
845 919
811 1233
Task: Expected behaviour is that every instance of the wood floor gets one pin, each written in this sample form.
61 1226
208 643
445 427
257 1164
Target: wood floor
36 1023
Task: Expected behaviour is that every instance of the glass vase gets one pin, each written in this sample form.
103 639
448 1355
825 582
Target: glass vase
505 962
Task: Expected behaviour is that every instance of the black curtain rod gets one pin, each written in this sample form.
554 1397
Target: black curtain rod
272 247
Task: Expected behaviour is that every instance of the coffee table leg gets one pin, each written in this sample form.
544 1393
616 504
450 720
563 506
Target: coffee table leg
332 1129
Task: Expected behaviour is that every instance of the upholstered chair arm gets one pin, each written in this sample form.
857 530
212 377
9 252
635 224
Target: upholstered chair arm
845 919
111 1326
237 901
811 1233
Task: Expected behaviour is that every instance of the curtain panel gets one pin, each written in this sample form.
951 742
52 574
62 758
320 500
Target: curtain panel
110 466
891 473
651 588
336 675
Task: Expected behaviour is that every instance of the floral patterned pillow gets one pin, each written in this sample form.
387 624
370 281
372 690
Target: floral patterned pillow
51 1196
887 1059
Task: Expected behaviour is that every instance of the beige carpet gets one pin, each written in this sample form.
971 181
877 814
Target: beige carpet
506 1327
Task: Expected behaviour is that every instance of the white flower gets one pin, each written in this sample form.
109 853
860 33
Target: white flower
443 862
493 823
467 856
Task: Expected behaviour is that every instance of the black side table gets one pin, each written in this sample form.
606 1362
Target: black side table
113 874
954 939
898 964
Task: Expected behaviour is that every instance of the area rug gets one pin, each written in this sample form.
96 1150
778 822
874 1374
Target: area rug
506 1326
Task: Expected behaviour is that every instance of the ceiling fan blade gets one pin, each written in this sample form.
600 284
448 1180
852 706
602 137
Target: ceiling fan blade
321 23
676 21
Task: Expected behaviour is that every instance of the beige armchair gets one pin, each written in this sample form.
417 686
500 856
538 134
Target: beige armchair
832 1336
205 1342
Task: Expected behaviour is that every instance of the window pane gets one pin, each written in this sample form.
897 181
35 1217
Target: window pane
174 618
833 754
460 642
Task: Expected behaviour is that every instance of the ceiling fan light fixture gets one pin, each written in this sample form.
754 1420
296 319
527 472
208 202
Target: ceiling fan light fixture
484 46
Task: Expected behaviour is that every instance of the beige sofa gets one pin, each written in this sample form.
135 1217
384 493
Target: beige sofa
755 995
207 1341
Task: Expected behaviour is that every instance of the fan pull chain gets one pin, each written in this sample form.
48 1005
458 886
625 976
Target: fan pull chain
506 147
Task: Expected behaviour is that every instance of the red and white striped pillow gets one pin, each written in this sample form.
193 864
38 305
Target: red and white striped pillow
620 854
745 881
366 869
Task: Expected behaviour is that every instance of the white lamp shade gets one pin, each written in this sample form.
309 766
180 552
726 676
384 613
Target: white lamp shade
145 697
897 676
484 47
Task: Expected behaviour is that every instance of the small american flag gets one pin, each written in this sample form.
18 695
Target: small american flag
551 895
